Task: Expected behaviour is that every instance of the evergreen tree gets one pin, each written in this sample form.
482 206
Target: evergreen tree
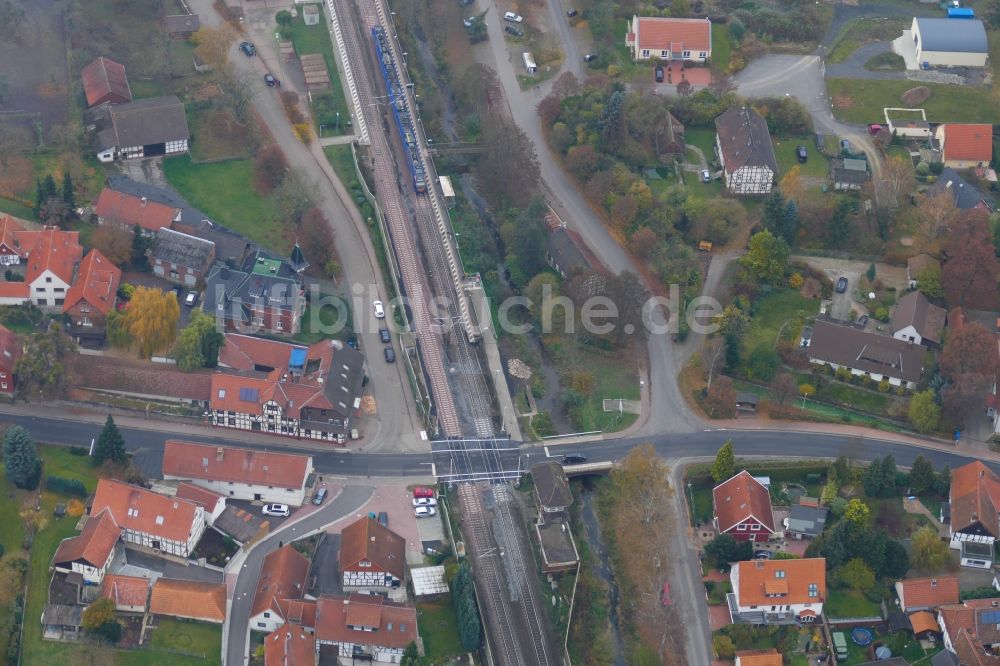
872 478
68 192
411 657
725 462
790 223
39 194
463 596
732 353
49 188
921 475
888 476
110 444
839 229
943 481
20 457
774 212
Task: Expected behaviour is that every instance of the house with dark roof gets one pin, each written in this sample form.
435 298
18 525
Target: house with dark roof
181 258
806 522
916 594
90 553
965 195
917 320
974 498
848 173
190 600
10 353
552 493
365 627
243 474
918 264
743 143
742 508
964 146
372 557
104 82
131 211
143 128
292 644
684 39
92 297
948 42
284 576
841 345
181 26
568 255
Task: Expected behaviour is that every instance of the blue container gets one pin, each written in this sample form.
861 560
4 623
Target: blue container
961 13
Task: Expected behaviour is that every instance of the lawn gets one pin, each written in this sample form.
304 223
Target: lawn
439 630
216 135
851 396
862 101
849 603
817 166
179 642
861 32
722 45
612 380
321 323
772 313
316 39
701 511
702 137
223 190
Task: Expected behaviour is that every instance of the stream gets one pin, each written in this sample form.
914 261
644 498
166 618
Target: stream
592 533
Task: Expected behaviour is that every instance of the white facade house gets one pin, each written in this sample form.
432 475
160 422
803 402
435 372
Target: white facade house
283 578
943 42
365 627
778 591
840 345
975 520
654 38
743 144
91 552
372 557
168 524
143 128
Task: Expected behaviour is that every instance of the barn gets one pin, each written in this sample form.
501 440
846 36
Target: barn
144 128
942 42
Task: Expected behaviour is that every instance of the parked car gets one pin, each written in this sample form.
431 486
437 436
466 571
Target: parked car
863 321
276 510
424 501
658 73
424 511
761 554
383 335
590 57
191 298
467 22
574 458
513 30
383 519
248 49
271 81
665 595
390 355
572 12
706 176
841 285
874 128
513 18
423 491
379 310
800 152
320 496
845 146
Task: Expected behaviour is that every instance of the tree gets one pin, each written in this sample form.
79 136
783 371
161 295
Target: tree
935 213
969 274
151 319
857 513
725 462
411 656
724 647
115 242
713 352
283 18
767 257
924 412
20 458
855 574
41 370
629 294
969 361
110 444
199 343
783 386
774 211
724 549
921 475
524 237
929 282
507 167
141 244
720 401
294 196
269 168
97 613
463 597
870 274
762 362
942 483
733 321
12 16
582 161
839 228
928 551
54 212
888 474
317 235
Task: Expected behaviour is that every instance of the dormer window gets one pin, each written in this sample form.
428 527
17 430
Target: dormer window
780 573
813 590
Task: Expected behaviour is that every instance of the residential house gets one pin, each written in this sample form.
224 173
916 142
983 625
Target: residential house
181 258
806 522
945 42
568 255
917 320
916 594
291 645
964 146
284 577
743 143
10 353
965 195
212 502
974 498
684 39
92 297
742 508
777 591
189 600
372 557
181 26
841 345
130 212
244 474
848 173
168 524
917 265
44 262
906 125
143 128
669 138
552 493
130 593
313 394
263 295
90 553
769 657
971 631
365 627
104 82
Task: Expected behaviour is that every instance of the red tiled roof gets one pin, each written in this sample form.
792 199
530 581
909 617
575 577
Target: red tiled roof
928 592
20 290
203 497
283 575
975 496
131 210
291 645
366 540
758 658
186 460
189 599
740 498
661 34
56 251
104 81
970 142
126 590
923 621
96 283
300 611
366 614
757 577
244 352
143 510
332 614
10 348
94 544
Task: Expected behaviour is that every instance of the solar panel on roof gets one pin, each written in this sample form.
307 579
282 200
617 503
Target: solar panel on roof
990 617
249 394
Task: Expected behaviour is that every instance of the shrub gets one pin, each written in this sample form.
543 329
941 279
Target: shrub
58 484
883 386
78 451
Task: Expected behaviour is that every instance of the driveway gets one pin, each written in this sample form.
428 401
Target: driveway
854 66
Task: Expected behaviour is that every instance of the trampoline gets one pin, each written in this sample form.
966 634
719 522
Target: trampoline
861 636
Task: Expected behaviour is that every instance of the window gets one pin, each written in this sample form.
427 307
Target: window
262 625
780 573
664 54
85 308
133 512
278 324
60 301
703 55
48 280
86 322
741 528
3 375
3 385
755 528
266 614
645 53
687 54
813 590
159 520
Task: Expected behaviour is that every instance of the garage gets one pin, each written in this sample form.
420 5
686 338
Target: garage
942 42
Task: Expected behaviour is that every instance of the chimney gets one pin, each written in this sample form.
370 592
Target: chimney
219 453
982 473
933 582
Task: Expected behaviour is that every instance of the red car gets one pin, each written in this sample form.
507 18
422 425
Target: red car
423 491
665 599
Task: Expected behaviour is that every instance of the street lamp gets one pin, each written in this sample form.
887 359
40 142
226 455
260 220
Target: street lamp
338 121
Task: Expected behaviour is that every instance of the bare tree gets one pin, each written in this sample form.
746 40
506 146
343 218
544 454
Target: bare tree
782 387
240 88
936 213
712 354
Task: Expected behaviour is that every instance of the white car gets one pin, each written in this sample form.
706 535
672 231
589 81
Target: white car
280 510
379 310
424 511
424 501
513 18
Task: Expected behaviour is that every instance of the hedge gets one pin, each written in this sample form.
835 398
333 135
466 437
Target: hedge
58 484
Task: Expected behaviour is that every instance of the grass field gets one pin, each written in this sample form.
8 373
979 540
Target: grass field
862 101
772 312
439 630
703 137
612 379
722 45
817 166
321 323
178 642
848 603
223 190
316 39
861 32
216 135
